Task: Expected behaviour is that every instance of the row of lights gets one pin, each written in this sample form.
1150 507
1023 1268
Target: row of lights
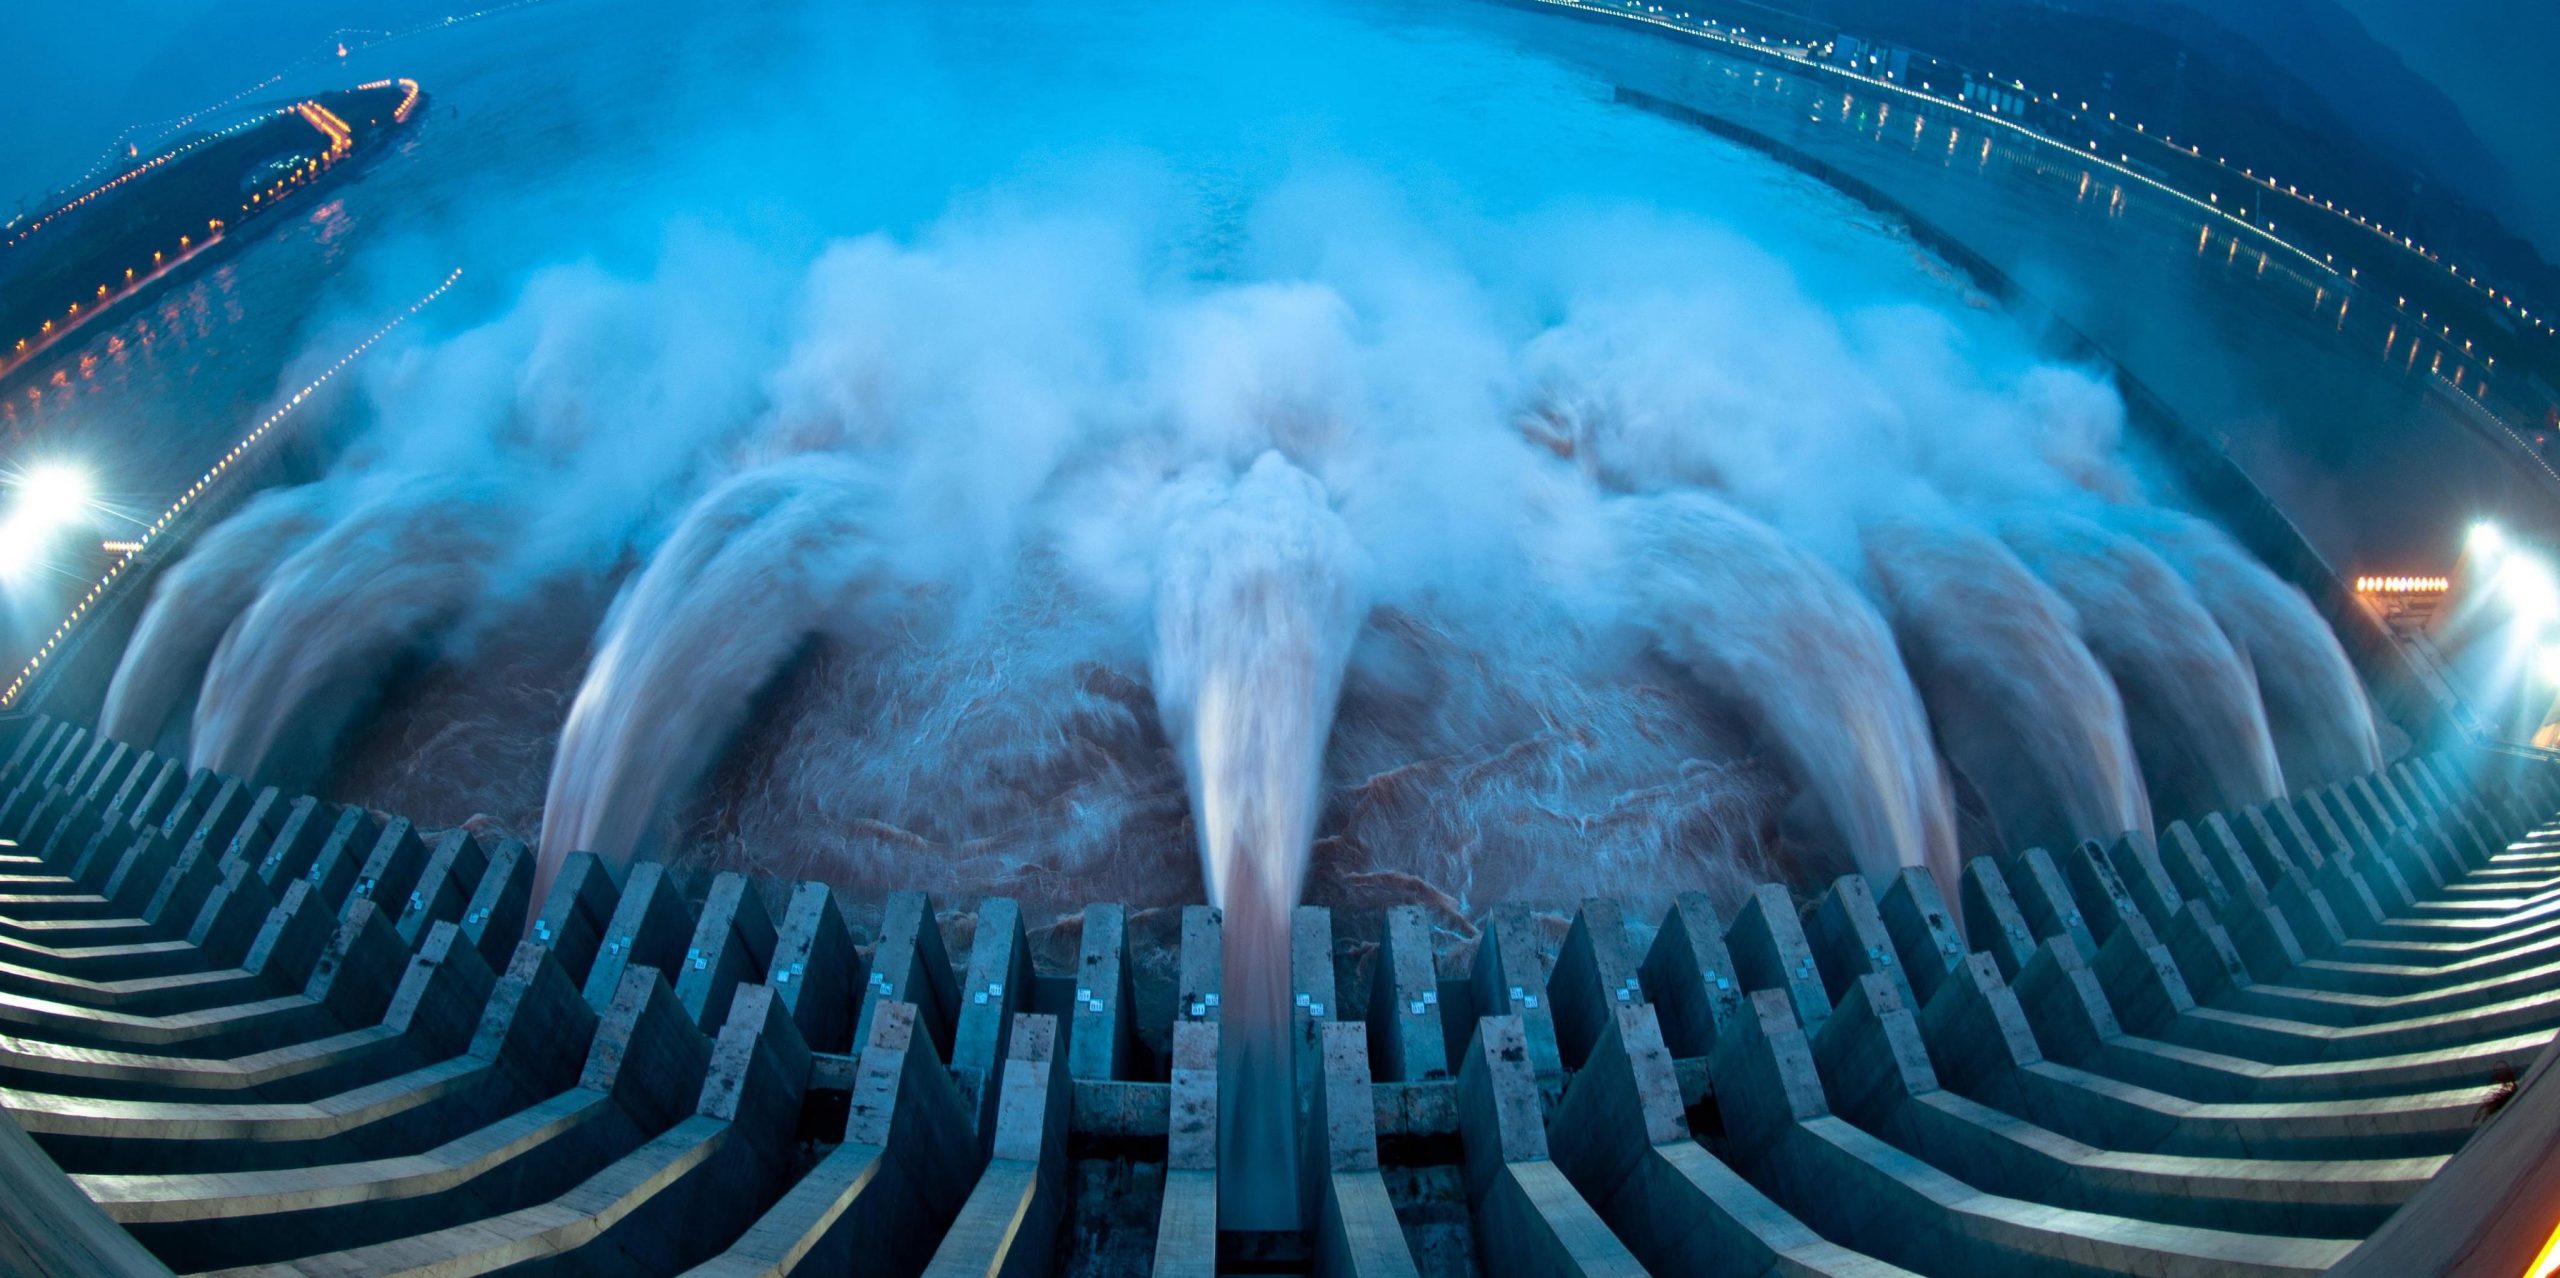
156 131
366 37
2121 165
408 101
133 549
124 149
139 170
2405 242
330 125
341 138
2403 585
2466 397
30 347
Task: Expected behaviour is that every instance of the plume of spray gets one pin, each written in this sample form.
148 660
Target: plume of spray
756 565
2316 707
194 602
1862 437
396 570
2190 701
1760 621
1257 601
2018 702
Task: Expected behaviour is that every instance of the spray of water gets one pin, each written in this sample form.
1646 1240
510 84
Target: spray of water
2191 704
755 566
2316 707
1258 598
334 620
2018 703
1762 622
193 603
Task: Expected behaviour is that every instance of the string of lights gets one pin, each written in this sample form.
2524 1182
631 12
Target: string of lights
135 548
340 143
130 140
101 190
2403 585
1804 54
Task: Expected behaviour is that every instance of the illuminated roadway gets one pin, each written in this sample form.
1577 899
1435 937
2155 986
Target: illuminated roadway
2341 405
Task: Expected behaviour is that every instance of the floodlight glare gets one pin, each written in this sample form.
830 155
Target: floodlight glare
2529 590
52 495
44 501
2485 539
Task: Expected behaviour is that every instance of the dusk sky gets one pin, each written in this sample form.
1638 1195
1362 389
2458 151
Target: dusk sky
2493 58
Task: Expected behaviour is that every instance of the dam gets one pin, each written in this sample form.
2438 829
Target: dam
1424 637
265 1034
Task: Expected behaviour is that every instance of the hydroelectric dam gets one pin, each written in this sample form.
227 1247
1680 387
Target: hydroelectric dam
1333 637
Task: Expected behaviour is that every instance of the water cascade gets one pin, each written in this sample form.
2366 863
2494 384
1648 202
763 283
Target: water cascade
1257 601
1762 622
2315 704
335 619
2019 704
754 567
195 601
2190 701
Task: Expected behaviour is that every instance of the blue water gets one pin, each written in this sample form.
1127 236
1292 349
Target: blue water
592 132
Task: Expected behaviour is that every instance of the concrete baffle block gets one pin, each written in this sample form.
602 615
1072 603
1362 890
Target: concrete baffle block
1009 1225
812 969
1770 952
910 965
1102 1043
1407 1042
1595 974
997 986
649 928
1847 934
732 944
1529 1218
1922 929
1689 976
1355 1227
575 913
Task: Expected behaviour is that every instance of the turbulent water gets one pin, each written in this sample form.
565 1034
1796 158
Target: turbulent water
1257 600
194 602
2322 725
332 623
1400 475
756 566
2196 718
1769 626
908 455
2018 703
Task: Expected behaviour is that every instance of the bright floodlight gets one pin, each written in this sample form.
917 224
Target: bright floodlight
2546 663
51 495
2485 539
2529 589
44 500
